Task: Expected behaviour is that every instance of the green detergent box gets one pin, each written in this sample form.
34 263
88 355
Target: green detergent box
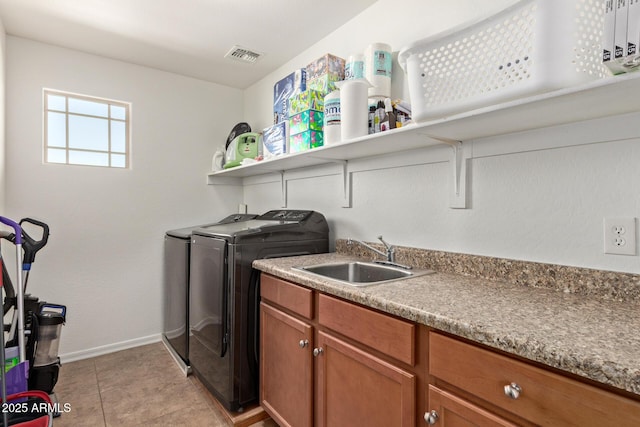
306 141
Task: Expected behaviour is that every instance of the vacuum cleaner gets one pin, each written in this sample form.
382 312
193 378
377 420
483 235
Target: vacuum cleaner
30 354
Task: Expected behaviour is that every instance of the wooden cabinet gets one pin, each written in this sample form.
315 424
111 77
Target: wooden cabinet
315 370
286 371
528 392
328 362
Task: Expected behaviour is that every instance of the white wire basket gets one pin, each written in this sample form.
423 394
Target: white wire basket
531 47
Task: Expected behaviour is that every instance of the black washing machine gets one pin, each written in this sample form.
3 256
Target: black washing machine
224 295
177 245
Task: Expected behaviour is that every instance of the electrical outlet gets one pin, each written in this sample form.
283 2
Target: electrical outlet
620 236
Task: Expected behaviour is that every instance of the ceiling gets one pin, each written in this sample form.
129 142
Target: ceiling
191 40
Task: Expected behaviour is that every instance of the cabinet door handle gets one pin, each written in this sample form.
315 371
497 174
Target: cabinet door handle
512 391
317 351
431 417
303 343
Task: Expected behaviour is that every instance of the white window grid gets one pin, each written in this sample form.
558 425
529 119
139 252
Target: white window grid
110 151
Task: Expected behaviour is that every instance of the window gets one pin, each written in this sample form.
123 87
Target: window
82 130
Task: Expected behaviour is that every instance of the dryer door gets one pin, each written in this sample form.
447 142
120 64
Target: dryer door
207 299
176 293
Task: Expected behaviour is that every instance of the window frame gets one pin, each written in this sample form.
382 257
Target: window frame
67 149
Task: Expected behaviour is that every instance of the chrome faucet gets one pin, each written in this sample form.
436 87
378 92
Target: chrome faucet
390 249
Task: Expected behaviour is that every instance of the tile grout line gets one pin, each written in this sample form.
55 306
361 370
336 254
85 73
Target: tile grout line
95 372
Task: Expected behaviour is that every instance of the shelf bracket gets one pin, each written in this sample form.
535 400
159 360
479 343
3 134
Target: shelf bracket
346 183
458 162
345 178
283 189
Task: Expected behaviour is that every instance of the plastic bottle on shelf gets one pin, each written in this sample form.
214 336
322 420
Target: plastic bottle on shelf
217 162
372 113
377 69
353 108
389 121
332 118
378 117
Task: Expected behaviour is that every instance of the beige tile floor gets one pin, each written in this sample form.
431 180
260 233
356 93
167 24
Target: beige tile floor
137 387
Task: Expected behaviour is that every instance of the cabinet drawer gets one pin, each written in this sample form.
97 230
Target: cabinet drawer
452 410
391 336
292 297
545 397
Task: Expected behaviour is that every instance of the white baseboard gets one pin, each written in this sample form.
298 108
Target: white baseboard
186 370
110 348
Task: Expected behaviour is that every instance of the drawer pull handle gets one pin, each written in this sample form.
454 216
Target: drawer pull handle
303 343
317 351
512 391
431 417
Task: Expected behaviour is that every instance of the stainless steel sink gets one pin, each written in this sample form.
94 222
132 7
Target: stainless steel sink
359 273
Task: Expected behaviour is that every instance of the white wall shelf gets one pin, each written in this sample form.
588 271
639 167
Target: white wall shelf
400 139
601 98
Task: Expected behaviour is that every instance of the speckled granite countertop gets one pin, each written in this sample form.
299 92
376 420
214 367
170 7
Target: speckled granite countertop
591 337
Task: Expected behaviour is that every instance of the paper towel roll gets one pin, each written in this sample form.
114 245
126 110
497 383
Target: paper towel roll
354 68
377 69
354 111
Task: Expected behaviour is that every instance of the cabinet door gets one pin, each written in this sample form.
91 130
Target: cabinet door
448 410
357 389
286 368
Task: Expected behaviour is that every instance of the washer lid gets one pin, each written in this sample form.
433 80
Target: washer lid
185 233
240 228
277 225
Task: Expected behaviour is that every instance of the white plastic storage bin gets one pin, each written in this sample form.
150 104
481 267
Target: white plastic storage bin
530 47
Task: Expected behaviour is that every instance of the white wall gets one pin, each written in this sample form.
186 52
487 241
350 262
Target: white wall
538 196
104 257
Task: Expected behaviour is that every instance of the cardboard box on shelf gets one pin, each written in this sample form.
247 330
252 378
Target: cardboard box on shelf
306 120
274 140
620 35
307 100
633 28
324 72
608 36
622 29
324 84
306 141
283 90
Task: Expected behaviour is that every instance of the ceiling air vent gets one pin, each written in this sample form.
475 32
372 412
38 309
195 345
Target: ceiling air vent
241 54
